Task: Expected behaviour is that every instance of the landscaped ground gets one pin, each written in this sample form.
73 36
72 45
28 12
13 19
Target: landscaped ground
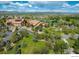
50 34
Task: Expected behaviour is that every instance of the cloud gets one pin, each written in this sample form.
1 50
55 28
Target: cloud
29 5
20 4
46 3
59 11
55 6
4 2
77 5
66 5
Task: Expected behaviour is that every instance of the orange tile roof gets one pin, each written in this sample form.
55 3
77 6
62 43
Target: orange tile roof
36 23
33 22
13 21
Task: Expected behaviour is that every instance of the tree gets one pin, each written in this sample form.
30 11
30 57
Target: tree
60 46
76 46
49 36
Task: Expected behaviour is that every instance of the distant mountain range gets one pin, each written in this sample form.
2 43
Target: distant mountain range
15 12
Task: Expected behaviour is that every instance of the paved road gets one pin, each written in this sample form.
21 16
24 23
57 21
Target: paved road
8 35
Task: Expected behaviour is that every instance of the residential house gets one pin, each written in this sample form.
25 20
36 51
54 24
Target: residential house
36 23
14 22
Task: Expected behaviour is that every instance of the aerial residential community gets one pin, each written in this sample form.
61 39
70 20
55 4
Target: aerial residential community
38 32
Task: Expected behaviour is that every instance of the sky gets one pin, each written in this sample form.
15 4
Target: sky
40 6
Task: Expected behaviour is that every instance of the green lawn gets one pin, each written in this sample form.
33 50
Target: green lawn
33 47
29 46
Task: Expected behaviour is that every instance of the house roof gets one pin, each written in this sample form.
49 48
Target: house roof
30 22
33 22
36 23
13 21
